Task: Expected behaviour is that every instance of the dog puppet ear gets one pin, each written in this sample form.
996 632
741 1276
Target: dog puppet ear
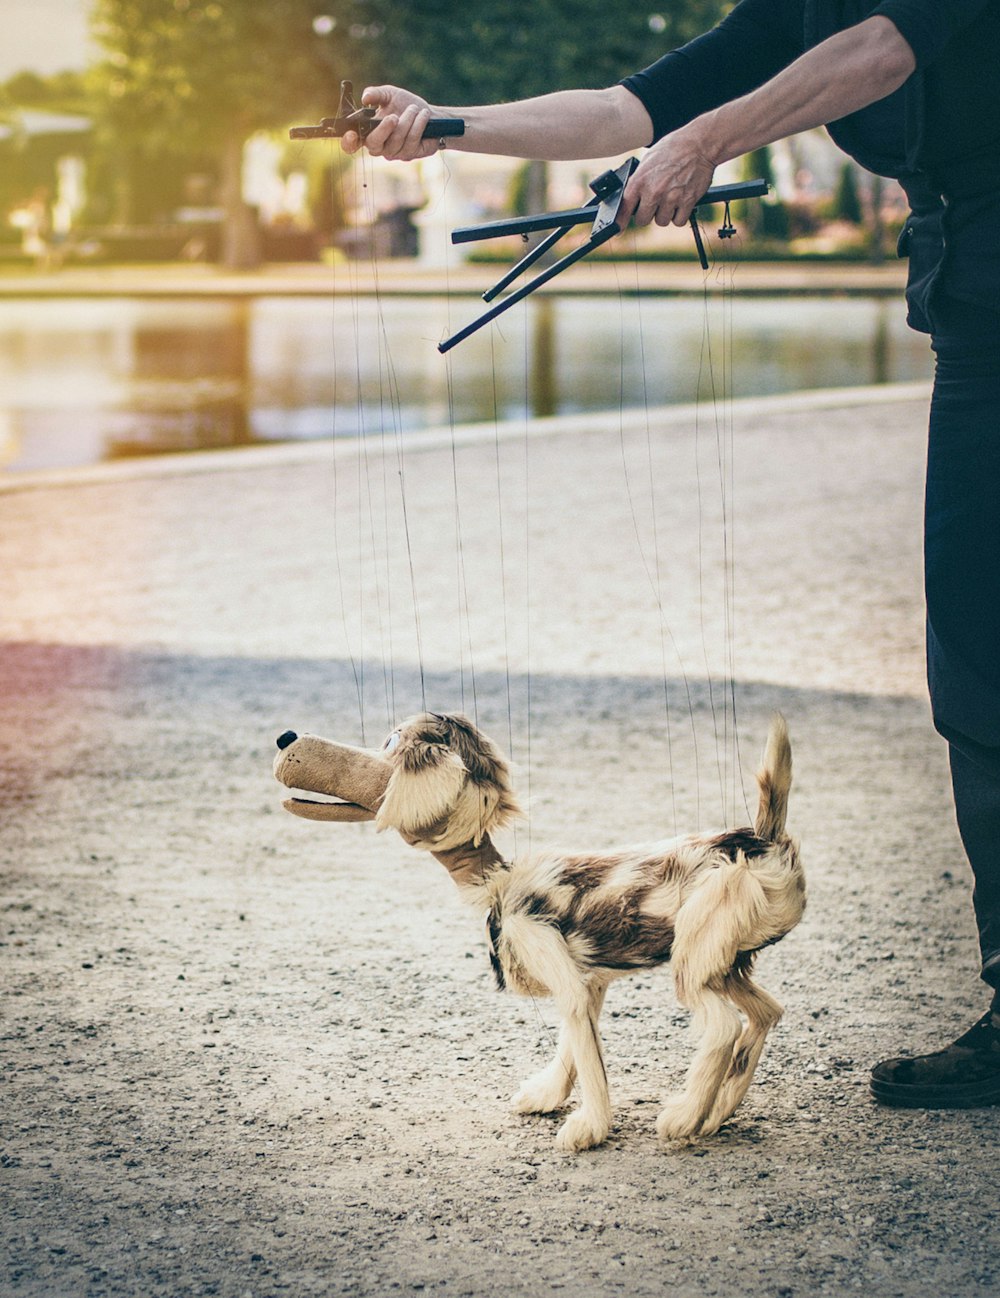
450 784
495 803
426 782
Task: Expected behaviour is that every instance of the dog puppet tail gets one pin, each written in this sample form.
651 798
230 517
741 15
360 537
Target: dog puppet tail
774 779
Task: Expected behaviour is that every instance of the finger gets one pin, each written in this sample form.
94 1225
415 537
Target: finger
626 208
636 207
403 136
350 141
648 210
415 134
682 214
379 136
377 96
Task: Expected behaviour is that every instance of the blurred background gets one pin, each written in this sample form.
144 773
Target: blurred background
151 129
145 166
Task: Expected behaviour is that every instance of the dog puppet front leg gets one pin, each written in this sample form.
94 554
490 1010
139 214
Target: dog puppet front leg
549 1089
588 1125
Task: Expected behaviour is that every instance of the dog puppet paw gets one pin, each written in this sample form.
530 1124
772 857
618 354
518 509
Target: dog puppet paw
722 1111
581 1131
542 1093
679 1119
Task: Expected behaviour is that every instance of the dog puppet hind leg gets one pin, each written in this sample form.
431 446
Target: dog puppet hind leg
725 906
718 1027
762 1012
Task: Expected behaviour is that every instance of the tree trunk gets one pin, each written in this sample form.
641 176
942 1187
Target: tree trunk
536 200
537 187
241 240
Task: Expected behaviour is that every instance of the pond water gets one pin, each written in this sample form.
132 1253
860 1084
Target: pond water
89 380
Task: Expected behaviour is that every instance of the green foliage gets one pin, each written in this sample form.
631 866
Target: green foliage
458 53
183 73
194 78
757 165
60 92
29 165
517 191
774 221
765 218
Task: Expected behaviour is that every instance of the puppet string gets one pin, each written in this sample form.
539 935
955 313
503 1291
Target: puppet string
722 702
728 275
715 377
652 563
340 543
722 696
526 459
391 483
504 590
463 620
388 382
366 501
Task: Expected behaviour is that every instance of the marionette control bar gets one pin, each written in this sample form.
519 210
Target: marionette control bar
602 211
364 120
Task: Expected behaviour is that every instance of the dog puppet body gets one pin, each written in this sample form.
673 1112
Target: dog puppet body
567 925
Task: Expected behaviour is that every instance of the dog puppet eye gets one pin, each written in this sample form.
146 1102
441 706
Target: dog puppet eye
392 743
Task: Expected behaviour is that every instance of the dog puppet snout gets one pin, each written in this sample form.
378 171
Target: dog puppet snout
289 737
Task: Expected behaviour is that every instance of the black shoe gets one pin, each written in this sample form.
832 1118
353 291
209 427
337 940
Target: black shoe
965 1075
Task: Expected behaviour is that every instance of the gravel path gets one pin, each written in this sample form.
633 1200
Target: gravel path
244 1054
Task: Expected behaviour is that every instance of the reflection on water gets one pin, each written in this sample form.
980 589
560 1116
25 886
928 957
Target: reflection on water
82 381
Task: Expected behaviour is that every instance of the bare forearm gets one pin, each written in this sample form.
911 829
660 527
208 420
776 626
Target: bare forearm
842 75
567 124
562 126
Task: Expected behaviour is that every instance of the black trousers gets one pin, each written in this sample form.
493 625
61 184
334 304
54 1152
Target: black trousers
962 568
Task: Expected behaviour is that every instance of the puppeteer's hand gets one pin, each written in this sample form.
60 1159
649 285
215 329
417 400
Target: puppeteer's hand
667 184
402 117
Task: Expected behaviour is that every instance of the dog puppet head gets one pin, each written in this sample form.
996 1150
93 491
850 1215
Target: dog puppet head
437 780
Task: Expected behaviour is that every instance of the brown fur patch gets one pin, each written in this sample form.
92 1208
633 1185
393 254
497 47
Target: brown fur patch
733 841
620 936
616 932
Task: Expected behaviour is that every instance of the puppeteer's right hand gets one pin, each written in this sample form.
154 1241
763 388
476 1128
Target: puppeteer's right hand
402 118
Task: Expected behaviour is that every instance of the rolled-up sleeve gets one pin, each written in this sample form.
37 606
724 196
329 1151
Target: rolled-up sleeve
928 25
751 45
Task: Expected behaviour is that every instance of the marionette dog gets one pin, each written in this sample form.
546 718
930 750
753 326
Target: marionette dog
566 925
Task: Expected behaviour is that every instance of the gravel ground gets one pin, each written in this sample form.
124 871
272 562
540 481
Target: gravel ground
244 1054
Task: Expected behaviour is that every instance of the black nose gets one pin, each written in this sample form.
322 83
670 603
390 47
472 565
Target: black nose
289 737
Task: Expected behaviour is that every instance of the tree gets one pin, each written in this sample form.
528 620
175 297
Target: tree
846 199
183 75
454 52
768 218
203 75
59 92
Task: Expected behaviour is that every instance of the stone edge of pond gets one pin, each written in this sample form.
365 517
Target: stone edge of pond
281 454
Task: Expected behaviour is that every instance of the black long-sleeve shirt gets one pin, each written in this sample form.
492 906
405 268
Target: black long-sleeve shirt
939 135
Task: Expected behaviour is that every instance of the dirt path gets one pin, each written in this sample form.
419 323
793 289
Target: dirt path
247 1055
